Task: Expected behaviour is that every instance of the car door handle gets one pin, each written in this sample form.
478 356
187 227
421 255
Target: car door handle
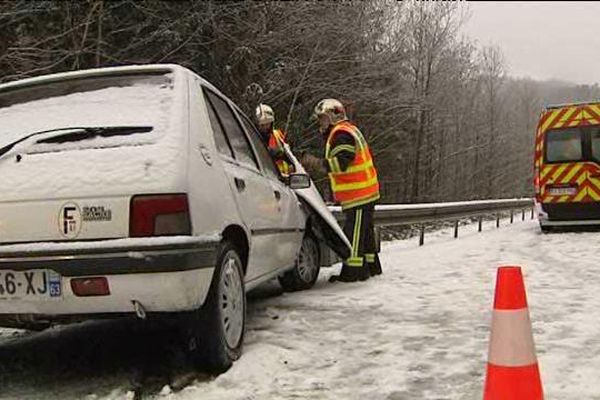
240 184
277 194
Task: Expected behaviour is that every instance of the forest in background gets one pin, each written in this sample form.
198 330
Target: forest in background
444 118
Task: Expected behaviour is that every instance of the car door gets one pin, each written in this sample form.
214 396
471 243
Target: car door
253 192
292 221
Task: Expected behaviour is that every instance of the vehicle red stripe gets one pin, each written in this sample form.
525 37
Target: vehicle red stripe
586 197
543 119
564 174
574 116
538 135
574 180
593 113
577 175
556 120
580 187
549 174
593 188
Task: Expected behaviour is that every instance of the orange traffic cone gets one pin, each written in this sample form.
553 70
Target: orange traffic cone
512 369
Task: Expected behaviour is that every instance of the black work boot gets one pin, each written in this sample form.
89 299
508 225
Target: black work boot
348 274
363 273
342 278
375 267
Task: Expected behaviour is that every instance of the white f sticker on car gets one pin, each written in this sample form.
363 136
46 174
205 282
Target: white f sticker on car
69 220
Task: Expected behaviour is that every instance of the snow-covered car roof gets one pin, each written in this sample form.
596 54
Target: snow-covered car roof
62 76
105 71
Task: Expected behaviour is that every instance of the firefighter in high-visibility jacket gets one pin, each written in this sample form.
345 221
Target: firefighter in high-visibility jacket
354 186
274 139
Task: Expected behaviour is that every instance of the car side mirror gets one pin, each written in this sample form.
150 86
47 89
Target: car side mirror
299 181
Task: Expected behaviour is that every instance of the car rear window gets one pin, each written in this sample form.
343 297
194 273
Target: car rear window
564 145
133 99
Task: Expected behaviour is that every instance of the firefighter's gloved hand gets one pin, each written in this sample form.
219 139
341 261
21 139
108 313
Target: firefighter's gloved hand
313 165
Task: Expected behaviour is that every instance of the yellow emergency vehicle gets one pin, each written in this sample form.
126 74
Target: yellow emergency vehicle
567 165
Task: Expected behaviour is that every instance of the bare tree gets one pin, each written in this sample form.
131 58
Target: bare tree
492 75
430 31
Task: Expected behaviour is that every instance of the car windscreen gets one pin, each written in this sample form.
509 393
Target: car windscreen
124 100
564 145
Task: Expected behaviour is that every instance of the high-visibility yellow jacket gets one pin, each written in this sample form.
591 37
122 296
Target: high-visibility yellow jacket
357 184
276 142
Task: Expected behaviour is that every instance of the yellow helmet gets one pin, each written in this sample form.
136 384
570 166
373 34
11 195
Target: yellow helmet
331 107
264 114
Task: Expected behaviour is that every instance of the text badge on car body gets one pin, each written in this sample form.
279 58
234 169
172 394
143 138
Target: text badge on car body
69 220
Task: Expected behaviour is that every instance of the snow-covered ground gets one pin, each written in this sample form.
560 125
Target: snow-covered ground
420 331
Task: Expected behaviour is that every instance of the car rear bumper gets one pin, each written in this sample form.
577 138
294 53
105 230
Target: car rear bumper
568 214
167 275
571 211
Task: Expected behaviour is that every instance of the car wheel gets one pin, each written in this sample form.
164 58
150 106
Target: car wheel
305 273
216 331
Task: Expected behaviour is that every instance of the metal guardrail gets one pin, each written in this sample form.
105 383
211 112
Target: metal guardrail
406 214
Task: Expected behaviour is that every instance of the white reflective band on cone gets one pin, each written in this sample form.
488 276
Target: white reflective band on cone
511 342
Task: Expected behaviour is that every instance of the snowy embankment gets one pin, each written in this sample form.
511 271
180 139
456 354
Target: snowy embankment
420 331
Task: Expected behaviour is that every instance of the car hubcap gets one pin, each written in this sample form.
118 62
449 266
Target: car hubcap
232 300
307 262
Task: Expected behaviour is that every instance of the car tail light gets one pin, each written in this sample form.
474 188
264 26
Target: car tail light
159 215
97 286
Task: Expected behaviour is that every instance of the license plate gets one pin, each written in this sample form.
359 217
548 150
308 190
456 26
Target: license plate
562 191
30 285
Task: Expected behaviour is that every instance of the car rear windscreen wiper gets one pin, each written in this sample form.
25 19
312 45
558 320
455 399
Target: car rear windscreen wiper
77 133
102 131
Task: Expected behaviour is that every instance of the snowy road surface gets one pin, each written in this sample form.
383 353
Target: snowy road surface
420 331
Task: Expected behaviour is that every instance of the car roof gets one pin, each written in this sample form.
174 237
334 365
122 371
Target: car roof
105 71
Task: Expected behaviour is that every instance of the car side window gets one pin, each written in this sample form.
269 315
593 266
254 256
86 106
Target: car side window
234 132
221 141
267 162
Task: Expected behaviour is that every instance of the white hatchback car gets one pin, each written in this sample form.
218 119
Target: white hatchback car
142 190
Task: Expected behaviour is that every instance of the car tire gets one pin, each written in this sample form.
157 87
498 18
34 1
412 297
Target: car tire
216 330
306 271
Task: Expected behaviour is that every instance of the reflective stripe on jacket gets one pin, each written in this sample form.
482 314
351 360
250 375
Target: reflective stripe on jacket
358 184
276 141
